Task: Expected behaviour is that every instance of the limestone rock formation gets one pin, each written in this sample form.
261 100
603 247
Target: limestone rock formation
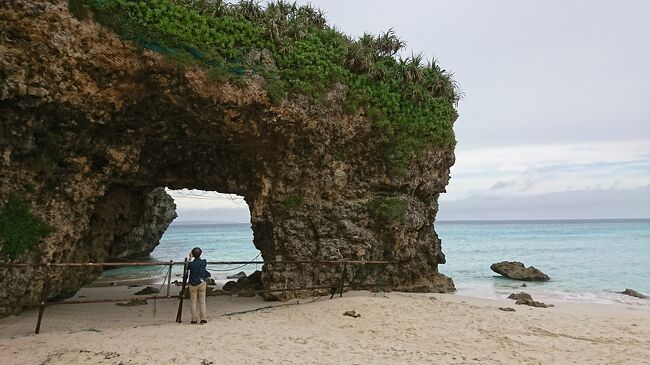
93 126
518 271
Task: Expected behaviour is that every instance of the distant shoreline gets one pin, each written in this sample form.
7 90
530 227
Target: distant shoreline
458 221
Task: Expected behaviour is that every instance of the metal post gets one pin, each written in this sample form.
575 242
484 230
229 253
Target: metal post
181 296
169 276
44 290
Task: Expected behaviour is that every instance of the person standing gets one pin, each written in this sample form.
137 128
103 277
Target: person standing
198 284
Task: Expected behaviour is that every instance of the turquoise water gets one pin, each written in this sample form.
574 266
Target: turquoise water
586 260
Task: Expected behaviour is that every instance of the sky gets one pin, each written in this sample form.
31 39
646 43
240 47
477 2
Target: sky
555 121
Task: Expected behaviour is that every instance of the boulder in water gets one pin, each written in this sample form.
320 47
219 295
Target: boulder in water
518 271
633 293
246 285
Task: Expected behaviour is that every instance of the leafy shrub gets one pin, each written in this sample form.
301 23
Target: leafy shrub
20 230
413 102
385 209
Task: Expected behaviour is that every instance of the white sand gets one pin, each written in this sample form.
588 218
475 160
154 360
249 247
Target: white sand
396 329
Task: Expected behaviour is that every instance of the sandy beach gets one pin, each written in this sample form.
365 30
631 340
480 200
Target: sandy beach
394 328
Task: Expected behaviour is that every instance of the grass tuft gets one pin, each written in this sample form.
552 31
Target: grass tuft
20 230
386 210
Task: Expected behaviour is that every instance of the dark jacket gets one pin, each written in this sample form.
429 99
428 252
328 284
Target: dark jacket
198 272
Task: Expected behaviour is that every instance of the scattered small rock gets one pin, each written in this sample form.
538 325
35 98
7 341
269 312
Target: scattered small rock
524 285
112 283
433 298
238 275
352 314
135 285
518 271
633 293
177 283
506 309
525 299
520 295
132 303
147 291
109 355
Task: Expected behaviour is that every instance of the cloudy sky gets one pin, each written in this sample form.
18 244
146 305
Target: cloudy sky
555 122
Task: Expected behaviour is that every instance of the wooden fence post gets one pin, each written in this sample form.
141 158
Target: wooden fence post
44 291
181 296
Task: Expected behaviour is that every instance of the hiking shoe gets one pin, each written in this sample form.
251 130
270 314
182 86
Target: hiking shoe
193 322
203 321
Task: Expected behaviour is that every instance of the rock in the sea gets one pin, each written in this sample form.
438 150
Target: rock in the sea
148 291
238 275
524 285
633 293
210 281
526 299
518 271
245 286
506 309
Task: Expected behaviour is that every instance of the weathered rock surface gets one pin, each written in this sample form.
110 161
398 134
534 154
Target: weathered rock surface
633 293
518 271
91 126
526 299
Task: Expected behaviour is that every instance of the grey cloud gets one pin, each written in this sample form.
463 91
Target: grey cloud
579 204
533 71
503 184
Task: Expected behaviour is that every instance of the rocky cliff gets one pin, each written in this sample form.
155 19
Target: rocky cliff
93 125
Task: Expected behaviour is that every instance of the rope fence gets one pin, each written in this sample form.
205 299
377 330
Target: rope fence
334 288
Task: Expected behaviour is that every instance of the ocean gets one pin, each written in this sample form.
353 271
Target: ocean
587 260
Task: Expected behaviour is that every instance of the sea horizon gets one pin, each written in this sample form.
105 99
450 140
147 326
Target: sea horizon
218 222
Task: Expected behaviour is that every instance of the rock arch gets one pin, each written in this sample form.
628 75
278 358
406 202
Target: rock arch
85 115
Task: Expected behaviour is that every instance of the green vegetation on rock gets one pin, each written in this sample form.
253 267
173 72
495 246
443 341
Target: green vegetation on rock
296 52
20 230
292 201
385 209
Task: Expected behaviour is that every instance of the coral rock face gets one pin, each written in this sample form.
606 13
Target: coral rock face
92 128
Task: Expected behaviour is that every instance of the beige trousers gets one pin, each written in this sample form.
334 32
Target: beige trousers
197 293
